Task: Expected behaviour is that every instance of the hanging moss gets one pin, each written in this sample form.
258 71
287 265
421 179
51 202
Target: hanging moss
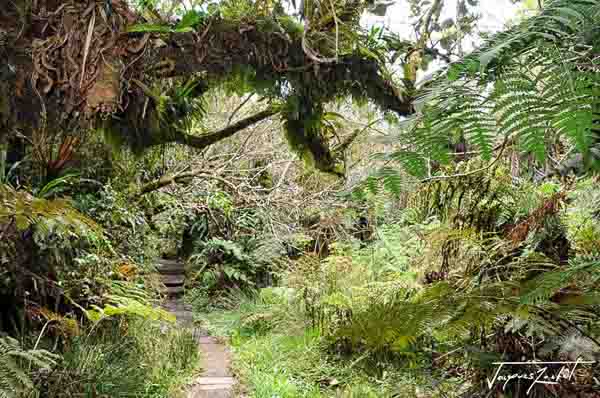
304 134
292 27
245 51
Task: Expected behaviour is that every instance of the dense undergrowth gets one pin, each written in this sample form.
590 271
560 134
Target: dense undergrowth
80 311
471 272
456 240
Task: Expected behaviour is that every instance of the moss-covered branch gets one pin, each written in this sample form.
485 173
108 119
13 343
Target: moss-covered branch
181 178
258 54
205 140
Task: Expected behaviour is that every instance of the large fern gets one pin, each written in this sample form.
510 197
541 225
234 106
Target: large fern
126 306
527 84
25 211
15 365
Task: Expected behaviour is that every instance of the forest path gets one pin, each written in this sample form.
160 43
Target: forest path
215 380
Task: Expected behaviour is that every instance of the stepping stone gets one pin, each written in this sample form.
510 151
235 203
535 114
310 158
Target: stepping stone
173 280
215 380
215 360
207 340
216 391
170 267
177 306
214 387
174 290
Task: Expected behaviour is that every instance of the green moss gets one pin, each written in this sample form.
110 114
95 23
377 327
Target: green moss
304 133
291 27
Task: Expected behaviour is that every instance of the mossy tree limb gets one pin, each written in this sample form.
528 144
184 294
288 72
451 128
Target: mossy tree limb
205 140
272 54
181 178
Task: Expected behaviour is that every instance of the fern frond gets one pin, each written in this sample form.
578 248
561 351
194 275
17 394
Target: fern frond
124 306
26 211
540 89
14 379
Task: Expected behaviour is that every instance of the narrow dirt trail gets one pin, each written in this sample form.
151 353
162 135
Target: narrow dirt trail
215 381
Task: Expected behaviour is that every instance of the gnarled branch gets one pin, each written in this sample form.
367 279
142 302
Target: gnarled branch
179 178
205 140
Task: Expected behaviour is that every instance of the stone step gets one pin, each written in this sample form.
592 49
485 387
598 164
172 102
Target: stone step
207 340
173 279
215 380
177 306
174 290
170 267
211 392
213 387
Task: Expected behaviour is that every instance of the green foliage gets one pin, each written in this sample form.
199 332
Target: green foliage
559 21
447 265
125 357
43 244
234 248
189 21
432 280
266 330
234 265
580 271
15 367
526 84
480 200
221 201
581 218
124 306
55 186
546 90
24 210
124 221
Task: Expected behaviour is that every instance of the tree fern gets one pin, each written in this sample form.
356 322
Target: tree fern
531 82
560 23
392 180
543 93
581 270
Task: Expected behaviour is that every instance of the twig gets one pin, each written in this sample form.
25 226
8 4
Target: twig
344 145
178 177
337 31
282 178
88 42
237 109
